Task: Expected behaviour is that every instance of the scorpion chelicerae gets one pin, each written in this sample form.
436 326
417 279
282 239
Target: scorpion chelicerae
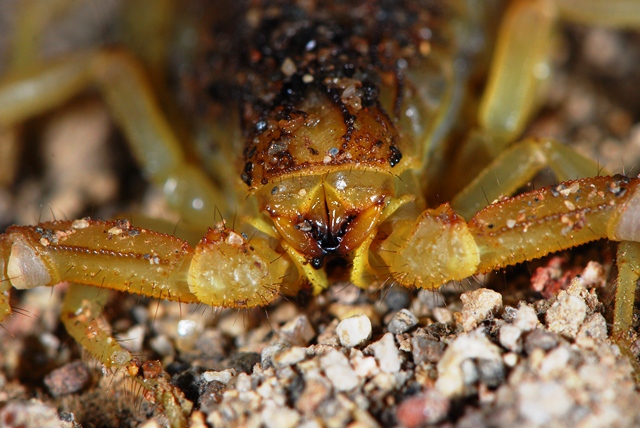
328 123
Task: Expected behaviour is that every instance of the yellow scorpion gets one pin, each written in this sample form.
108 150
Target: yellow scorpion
329 123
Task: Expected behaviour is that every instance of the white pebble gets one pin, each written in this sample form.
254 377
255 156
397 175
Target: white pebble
566 315
510 337
338 370
289 356
478 305
450 368
541 403
387 354
526 318
354 331
223 376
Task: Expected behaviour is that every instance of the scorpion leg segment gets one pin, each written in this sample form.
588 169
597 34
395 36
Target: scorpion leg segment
128 95
520 67
112 255
436 248
224 269
5 286
81 308
628 262
610 13
515 167
229 271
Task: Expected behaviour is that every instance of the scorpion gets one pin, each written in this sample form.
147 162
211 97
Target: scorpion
329 122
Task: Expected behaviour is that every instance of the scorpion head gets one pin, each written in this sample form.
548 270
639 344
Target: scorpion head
323 173
328 214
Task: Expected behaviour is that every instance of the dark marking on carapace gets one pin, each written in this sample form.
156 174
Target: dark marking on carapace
294 64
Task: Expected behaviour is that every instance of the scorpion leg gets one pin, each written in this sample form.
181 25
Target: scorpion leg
129 97
520 67
80 311
225 269
628 261
516 166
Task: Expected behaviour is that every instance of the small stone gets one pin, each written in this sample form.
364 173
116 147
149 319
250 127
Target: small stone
479 305
404 342
266 357
468 346
365 367
490 371
211 343
509 314
329 336
510 337
67 379
387 354
540 339
593 275
197 420
298 331
510 359
338 370
402 321
316 391
32 413
223 376
594 329
541 402
526 318
566 315
188 332
275 416
290 356
288 67
162 345
397 298
425 349
354 331
442 315
211 396
555 362
423 409
337 411
243 362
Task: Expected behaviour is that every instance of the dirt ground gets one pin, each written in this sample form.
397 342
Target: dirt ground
527 346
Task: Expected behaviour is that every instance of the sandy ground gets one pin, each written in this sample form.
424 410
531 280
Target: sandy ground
535 353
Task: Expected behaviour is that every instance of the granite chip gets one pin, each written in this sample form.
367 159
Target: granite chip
387 354
68 379
298 331
478 305
566 315
454 373
354 331
402 321
338 370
